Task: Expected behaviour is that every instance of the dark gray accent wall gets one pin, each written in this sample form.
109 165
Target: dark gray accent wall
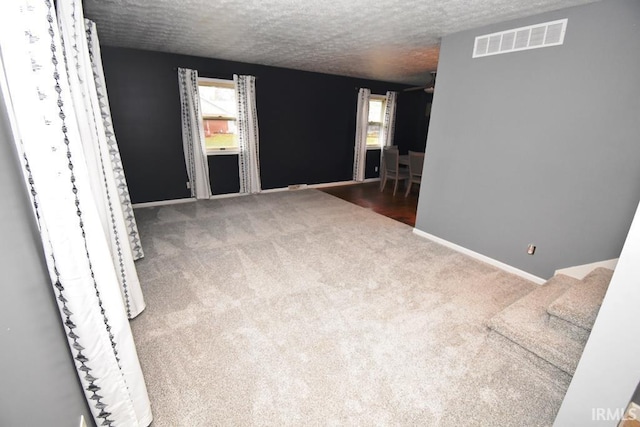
539 146
372 164
224 174
306 122
39 382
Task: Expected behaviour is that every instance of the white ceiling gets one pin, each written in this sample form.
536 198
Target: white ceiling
390 40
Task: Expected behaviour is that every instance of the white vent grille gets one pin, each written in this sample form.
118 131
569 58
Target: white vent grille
523 38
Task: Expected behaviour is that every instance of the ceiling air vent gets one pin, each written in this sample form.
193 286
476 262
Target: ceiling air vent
523 38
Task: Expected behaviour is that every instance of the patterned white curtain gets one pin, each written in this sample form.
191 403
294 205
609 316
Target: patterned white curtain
362 123
104 172
195 150
114 151
248 138
389 123
51 96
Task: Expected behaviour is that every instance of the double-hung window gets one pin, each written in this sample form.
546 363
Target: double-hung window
219 117
376 119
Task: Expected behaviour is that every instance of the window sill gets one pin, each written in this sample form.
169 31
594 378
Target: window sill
373 147
223 152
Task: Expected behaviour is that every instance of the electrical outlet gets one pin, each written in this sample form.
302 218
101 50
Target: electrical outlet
83 422
376 169
531 249
188 185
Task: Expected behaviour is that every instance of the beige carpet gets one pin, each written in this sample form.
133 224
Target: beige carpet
298 308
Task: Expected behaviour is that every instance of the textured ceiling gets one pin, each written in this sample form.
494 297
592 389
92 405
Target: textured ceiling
390 40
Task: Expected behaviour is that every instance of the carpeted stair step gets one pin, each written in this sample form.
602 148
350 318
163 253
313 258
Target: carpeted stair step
576 309
575 331
526 323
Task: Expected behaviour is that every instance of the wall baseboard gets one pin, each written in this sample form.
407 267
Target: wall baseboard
370 180
579 271
271 190
480 257
276 190
332 184
227 196
161 203
339 183
322 185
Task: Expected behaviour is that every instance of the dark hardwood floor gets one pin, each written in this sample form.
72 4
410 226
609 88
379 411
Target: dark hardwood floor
368 195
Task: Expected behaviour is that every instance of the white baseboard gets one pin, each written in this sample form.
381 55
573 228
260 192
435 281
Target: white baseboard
579 271
480 257
331 184
271 190
321 185
371 180
275 190
339 183
161 203
227 196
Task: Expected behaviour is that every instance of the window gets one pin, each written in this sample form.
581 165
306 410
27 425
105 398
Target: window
376 118
218 107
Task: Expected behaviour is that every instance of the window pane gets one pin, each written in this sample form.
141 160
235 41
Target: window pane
220 134
218 107
373 134
375 110
217 101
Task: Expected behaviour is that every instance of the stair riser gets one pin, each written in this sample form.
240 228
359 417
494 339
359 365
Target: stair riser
574 331
505 344
553 356
526 323
579 305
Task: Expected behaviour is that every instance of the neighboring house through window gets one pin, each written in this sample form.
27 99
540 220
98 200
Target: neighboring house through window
218 107
376 119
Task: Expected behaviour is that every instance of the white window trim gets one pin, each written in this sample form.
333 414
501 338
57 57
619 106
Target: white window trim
219 82
210 80
223 152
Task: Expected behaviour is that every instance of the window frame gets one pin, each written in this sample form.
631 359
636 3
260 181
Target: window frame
223 83
383 99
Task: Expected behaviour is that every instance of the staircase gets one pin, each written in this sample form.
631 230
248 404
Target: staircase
553 322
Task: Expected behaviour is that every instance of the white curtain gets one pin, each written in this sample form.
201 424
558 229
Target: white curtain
114 151
248 139
195 150
52 101
103 173
362 123
389 123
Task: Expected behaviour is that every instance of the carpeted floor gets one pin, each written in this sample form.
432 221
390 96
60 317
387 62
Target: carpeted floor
298 308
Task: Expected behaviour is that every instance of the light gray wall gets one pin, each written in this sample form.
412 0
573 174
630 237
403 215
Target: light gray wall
39 385
540 146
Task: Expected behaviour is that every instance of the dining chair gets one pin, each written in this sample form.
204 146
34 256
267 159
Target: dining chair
382 168
391 168
416 161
